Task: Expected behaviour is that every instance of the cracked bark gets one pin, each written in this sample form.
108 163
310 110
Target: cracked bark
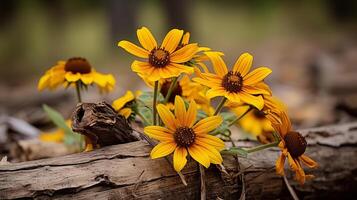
126 171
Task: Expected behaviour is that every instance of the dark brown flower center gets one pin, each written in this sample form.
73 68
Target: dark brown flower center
177 90
159 57
184 136
232 82
77 65
259 114
295 143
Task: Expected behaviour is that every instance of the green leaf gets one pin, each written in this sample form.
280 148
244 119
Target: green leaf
70 138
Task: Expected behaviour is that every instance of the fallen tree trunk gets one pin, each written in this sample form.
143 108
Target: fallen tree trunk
126 171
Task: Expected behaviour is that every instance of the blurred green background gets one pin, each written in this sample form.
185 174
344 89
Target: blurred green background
310 45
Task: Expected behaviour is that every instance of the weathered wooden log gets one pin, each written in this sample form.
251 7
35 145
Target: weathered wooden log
126 171
102 124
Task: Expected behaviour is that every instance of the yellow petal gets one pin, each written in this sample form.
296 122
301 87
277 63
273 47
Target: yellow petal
171 40
256 76
167 117
87 79
184 54
185 38
126 112
44 82
213 154
191 114
146 39
208 124
120 102
180 160
211 140
70 77
180 110
216 92
256 101
308 161
280 165
159 133
219 66
292 163
199 155
255 90
133 49
243 64
143 68
162 149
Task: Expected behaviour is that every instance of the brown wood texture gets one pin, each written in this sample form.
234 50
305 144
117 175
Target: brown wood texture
126 171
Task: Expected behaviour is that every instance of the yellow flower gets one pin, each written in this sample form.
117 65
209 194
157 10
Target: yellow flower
55 136
68 73
164 61
123 104
293 146
237 85
183 135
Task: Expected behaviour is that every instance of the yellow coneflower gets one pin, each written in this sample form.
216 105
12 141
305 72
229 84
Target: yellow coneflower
75 70
183 135
236 85
123 104
164 61
293 146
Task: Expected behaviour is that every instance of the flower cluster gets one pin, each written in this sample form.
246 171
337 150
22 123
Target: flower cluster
177 112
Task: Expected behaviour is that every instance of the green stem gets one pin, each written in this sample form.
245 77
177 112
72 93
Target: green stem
156 89
171 88
78 91
261 147
240 117
220 106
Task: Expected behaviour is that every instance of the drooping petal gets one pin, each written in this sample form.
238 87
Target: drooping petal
44 82
162 149
171 40
308 161
219 66
216 92
180 110
184 54
256 101
87 79
280 165
211 140
180 160
256 76
146 39
70 77
212 152
199 155
159 133
133 49
243 64
167 117
208 124
293 165
190 118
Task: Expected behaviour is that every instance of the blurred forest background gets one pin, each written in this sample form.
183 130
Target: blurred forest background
310 45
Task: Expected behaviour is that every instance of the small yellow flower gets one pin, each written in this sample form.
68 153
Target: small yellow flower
68 73
123 104
183 135
55 136
237 85
293 146
164 61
